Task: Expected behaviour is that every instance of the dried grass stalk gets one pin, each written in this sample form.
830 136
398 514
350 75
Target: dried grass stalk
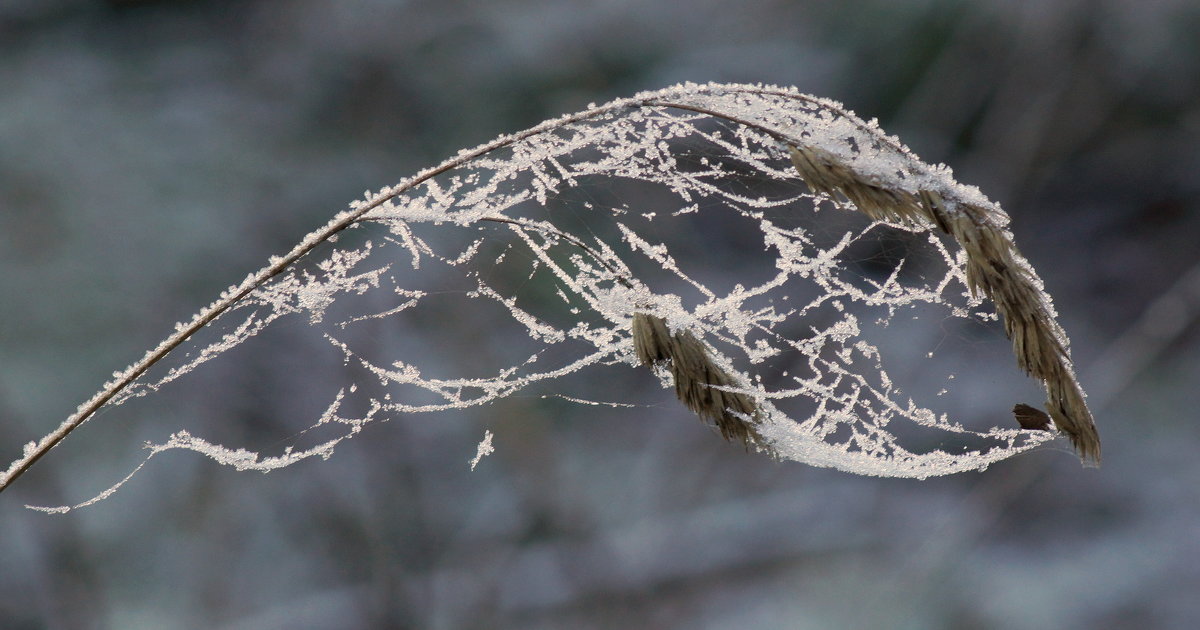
698 381
994 266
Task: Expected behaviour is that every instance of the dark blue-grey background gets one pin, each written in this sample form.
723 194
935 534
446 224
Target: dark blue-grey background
152 153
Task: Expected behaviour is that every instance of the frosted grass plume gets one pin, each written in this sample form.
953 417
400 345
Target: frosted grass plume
834 152
994 267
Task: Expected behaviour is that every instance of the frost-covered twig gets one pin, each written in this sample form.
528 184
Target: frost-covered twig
834 152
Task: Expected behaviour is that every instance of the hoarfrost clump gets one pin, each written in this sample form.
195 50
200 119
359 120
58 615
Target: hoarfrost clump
599 235
484 449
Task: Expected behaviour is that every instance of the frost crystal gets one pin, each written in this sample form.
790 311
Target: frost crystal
484 449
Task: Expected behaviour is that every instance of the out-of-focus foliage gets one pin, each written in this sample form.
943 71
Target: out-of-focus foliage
152 152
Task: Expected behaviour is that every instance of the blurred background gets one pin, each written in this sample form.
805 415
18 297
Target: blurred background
154 152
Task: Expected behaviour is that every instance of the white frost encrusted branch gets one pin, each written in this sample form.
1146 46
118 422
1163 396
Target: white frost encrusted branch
776 134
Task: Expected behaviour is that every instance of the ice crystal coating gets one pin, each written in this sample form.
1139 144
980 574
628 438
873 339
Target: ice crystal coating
686 233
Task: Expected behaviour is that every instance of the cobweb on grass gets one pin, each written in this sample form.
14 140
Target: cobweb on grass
539 250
